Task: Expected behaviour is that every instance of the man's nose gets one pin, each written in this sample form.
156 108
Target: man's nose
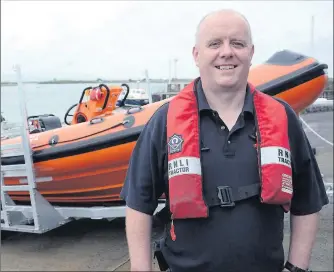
226 50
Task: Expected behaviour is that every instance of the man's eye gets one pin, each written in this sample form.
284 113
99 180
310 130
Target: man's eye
214 44
238 44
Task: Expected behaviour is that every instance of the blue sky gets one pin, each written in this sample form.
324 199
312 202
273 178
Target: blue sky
110 39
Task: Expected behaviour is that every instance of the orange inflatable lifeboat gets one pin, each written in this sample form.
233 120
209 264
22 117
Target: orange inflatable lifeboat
86 161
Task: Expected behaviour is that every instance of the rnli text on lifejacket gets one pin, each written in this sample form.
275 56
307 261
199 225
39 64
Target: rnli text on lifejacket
284 156
184 165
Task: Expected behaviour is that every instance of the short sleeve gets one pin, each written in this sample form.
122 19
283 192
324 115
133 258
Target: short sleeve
144 182
309 189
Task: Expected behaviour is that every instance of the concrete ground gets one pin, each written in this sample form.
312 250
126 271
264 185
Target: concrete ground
88 245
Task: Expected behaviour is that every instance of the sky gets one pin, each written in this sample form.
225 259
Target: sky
119 40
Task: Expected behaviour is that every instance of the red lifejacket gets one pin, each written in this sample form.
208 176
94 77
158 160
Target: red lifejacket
184 166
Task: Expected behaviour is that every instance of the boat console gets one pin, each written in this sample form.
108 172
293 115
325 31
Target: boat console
100 101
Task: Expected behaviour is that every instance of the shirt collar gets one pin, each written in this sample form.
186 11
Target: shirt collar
203 104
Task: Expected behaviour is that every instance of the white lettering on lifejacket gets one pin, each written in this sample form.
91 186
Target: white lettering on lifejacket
287 184
275 154
184 166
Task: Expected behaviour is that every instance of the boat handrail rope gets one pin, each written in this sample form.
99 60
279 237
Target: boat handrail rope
314 132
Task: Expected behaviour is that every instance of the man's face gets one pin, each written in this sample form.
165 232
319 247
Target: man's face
224 51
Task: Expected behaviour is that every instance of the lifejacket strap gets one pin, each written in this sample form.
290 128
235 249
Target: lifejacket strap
226 196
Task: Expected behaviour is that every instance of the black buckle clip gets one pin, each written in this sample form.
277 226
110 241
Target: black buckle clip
226 197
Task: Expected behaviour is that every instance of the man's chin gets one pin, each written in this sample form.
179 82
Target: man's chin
226 82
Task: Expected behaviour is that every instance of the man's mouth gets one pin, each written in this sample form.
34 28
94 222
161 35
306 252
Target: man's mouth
226 67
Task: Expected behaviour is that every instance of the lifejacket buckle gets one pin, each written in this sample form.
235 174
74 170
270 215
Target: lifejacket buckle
225 196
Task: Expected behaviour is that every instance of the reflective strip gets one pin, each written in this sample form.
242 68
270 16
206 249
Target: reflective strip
287 184
184 166
275 154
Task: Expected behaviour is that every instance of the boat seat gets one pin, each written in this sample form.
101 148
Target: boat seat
43 122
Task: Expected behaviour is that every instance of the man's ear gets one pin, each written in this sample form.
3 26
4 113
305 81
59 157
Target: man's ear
252 54
195 55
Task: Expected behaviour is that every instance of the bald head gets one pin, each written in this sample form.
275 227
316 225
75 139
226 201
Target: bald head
221 15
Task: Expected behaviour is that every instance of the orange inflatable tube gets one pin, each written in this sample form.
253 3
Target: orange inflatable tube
86 162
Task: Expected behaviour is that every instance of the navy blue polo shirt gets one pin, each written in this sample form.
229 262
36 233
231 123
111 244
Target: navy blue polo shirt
247 237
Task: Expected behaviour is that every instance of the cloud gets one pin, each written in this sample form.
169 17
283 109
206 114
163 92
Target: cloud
110 39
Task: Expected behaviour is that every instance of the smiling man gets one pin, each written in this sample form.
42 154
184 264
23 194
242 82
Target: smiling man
226 191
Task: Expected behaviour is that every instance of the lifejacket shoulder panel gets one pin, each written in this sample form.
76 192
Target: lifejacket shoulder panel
184 166
273 150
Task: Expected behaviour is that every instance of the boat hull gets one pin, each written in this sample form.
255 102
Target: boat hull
95 176
86 163
88 170
292 77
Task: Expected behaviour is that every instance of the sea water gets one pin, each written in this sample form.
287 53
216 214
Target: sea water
51 98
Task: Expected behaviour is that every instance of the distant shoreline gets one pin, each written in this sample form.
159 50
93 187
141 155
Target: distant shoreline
51 82
178 80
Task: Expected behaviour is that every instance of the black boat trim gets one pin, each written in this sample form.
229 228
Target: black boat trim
286 58
118 138
293 79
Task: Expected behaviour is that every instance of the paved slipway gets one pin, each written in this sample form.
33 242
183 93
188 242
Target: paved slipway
88 245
